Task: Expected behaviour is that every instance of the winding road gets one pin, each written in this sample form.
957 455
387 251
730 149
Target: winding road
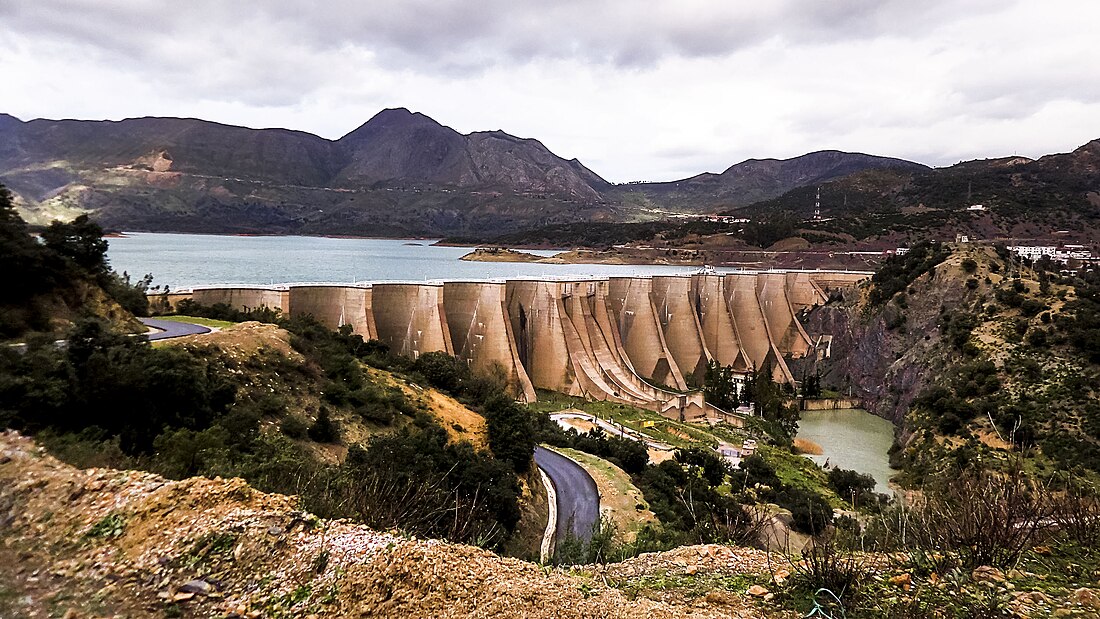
171 328
578 500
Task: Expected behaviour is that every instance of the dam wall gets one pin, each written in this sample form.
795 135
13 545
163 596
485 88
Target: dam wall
641 336
680 322
334 307
642 341
716 322
481 333
409 318
244 299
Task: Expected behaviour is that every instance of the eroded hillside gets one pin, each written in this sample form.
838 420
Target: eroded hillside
104 542
972 352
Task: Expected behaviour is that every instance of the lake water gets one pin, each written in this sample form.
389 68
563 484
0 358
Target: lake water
851 439
184 260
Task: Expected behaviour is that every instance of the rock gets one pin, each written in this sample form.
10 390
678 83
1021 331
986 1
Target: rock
182 596
1087 598
987 573
901 580
196 586
1042 550
717 598
691 569
1032 597
275 530
757 591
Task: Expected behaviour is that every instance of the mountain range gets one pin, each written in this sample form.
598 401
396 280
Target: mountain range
400 173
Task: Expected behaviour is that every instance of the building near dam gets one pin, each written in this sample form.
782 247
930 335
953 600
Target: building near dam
642 341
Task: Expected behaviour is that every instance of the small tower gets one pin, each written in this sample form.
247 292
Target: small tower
817 205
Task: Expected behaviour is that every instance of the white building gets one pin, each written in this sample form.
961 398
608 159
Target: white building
1072 252
1034 252
1061 254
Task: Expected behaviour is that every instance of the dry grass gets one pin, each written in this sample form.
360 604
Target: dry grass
461 423
806 446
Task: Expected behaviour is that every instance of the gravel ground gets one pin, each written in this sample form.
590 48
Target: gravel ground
106 543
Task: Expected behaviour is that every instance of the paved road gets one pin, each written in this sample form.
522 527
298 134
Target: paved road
578 498
170 328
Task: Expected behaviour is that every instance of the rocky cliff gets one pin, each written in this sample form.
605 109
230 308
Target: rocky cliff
889 353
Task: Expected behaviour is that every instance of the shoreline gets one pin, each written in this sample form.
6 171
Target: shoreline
431 240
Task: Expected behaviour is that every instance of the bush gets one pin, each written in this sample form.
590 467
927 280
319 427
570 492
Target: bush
442 371
418 481
972 518
852 486
810 512
511 431
969 265
294 427
324 429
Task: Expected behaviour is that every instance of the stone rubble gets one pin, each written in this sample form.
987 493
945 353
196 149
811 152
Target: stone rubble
105 543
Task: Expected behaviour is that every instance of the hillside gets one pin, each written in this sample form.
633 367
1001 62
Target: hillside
1021 199
137 545
976 355
755 180
62 280
400 173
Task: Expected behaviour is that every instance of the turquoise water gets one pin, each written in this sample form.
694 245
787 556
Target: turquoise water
851 439
183 260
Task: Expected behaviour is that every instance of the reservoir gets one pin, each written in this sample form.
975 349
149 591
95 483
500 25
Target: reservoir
184 260
851 439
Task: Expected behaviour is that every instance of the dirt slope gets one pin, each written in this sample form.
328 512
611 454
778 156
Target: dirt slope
101 543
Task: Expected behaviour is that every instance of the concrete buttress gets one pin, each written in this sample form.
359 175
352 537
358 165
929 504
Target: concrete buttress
333 306
481 333
243 299
641 336
675 312
410 318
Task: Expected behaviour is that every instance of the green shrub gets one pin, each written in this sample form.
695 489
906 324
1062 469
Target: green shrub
294 427
325 429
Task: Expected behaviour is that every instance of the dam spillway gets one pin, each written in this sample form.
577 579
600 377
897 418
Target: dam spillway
642 341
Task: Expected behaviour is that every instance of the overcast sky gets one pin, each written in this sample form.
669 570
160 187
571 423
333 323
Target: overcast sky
635 89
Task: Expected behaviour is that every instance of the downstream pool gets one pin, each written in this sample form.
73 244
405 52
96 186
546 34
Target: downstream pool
851 439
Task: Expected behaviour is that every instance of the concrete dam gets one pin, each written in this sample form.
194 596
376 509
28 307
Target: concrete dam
642 341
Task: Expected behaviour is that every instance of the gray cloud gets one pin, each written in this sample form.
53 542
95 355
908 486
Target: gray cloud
449 35
634 88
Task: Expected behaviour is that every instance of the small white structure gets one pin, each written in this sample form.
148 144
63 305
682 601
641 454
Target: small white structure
962 238
976 208
1072 252
748 448
1061 254
1033 252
